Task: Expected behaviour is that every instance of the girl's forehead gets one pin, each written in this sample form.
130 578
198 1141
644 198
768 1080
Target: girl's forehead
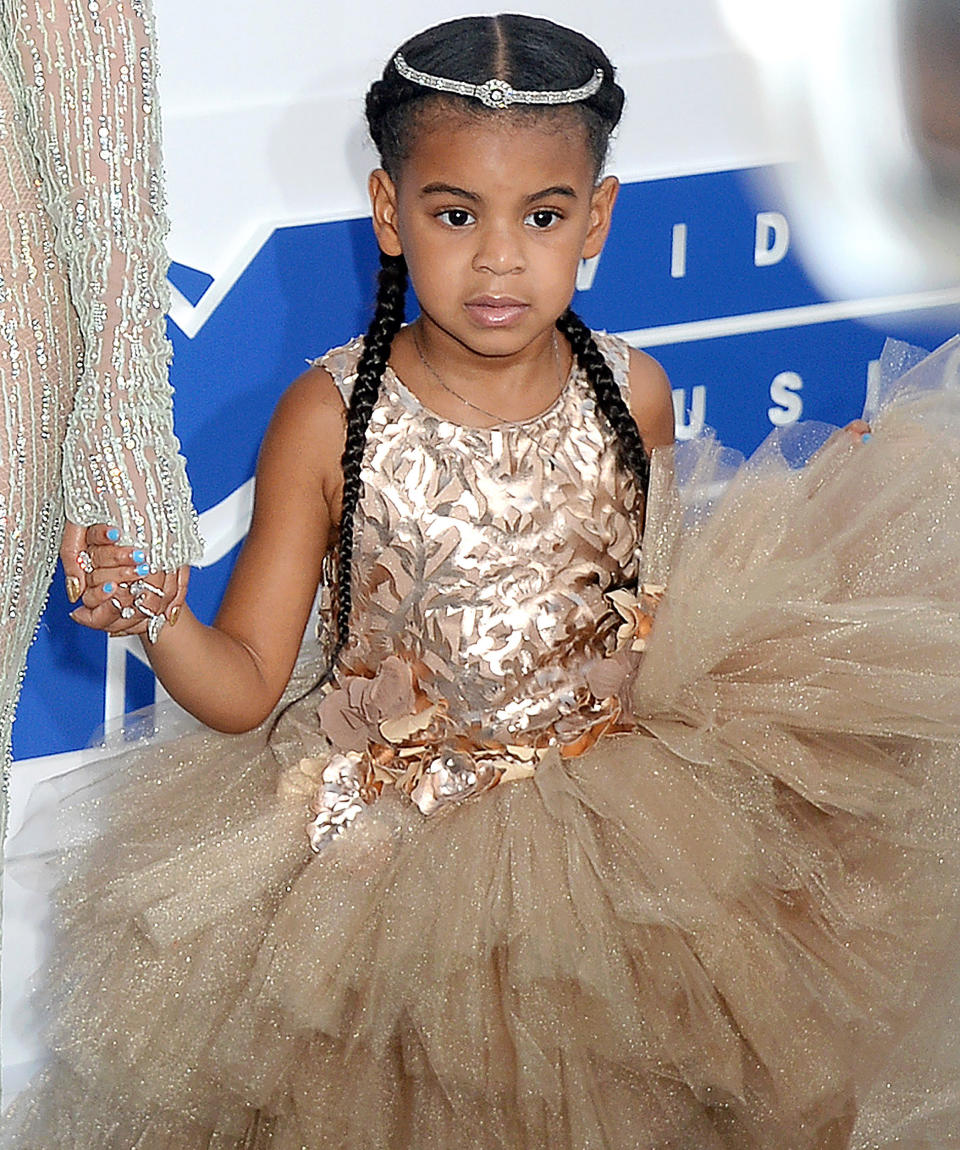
514 143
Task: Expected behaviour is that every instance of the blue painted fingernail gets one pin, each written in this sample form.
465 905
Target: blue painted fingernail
108 588
113 534
138 557
866 437
143 569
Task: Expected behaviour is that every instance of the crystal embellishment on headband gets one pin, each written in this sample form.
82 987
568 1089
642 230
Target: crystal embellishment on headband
498 93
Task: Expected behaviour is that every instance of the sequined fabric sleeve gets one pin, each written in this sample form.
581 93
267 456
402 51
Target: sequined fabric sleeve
89 95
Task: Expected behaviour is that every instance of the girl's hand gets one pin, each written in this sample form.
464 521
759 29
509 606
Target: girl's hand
859 429
122 595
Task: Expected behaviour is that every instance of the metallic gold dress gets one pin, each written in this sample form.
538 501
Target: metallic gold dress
86 421
523 873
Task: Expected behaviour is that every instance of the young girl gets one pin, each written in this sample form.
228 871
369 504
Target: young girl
505 878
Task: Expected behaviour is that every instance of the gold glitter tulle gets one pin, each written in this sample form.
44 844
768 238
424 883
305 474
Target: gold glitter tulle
708 932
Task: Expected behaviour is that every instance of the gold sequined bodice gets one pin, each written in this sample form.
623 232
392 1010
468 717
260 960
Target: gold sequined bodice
481 561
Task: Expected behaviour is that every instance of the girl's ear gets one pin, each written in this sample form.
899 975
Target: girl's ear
601 211
383 201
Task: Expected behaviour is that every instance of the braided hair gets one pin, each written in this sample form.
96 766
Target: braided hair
528 53
525 51
387 320
632 454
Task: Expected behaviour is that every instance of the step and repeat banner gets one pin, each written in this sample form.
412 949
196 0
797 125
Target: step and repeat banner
274 262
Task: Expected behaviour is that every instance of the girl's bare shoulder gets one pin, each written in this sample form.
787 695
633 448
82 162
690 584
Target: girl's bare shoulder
651 400
313 398
310 411
304 442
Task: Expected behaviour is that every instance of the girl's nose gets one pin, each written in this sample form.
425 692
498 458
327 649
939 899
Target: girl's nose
499 251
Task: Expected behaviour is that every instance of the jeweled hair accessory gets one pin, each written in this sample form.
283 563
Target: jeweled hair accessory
498 93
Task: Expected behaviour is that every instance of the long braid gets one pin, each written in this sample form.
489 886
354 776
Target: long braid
387 321
633 454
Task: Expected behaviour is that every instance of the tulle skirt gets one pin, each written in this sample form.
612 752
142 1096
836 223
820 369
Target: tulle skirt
734 927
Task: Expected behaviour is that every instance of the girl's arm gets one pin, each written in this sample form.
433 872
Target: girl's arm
231 674
651 401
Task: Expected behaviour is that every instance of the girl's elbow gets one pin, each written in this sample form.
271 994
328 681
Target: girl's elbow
233 725
229 718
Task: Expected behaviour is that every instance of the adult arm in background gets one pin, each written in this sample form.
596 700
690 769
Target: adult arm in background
89 82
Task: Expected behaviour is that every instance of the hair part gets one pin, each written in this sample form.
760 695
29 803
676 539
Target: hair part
525 51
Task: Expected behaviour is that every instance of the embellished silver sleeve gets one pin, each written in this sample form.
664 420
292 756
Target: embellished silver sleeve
88 71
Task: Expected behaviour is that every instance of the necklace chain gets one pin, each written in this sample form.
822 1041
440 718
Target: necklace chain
469 402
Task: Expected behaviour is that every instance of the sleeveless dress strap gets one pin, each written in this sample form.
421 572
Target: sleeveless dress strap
341 363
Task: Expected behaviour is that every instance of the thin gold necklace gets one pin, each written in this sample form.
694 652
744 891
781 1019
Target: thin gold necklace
476 406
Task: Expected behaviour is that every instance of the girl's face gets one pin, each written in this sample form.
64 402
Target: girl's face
493 214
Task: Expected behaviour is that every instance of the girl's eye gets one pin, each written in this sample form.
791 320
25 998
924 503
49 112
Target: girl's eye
456 217
543 218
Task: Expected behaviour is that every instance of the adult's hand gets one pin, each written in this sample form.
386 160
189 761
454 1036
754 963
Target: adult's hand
74 541
120 592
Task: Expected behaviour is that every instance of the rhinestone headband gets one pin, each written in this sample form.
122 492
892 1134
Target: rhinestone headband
498 93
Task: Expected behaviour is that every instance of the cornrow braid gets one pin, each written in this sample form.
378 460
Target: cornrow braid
633 454
387 320
526 51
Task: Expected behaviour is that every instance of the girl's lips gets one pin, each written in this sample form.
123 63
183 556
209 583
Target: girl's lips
495 311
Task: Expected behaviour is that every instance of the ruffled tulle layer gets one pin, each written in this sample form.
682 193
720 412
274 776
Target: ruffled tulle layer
709 933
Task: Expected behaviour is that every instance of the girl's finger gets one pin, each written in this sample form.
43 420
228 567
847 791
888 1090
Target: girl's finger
104 616
111 595
122 630
152 594
117 577
154 602
117 596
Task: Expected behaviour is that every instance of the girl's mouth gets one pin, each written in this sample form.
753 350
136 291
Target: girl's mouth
495 311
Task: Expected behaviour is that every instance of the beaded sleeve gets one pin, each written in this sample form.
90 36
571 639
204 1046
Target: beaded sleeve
90 104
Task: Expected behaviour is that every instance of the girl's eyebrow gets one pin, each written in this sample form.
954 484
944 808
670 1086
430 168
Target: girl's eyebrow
556 190
439 189
449 190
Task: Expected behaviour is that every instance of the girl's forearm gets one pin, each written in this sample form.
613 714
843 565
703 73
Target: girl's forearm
212 674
